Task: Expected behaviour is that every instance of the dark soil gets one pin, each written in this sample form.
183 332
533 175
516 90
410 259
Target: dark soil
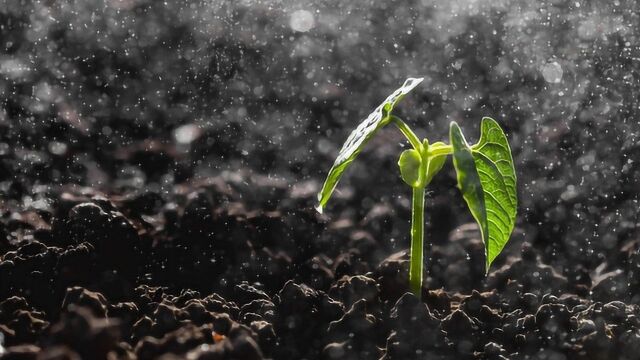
159 164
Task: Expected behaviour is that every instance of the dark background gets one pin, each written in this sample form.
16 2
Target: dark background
83 83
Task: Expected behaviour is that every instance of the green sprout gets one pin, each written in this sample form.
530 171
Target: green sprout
485 173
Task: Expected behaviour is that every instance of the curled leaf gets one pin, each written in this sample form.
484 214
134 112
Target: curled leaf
468 178
487 180
359 137
409 163
435 163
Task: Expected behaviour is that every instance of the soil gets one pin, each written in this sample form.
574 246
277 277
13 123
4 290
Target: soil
159 164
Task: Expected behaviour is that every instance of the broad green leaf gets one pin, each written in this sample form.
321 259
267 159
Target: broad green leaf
359 137
409 163
494 164
435 163
468 179
486 177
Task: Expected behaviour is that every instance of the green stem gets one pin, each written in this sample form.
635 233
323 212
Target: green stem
408 133
417 244
444 150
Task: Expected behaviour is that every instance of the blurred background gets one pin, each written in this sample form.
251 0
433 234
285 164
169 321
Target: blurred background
140 95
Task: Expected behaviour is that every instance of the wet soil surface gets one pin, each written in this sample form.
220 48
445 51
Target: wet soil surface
159 164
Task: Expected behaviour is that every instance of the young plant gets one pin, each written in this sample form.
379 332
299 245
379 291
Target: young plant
485 173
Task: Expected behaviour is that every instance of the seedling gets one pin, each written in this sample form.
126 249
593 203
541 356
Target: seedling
485 173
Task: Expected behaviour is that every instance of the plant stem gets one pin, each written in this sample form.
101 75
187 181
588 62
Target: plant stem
417 244
408 133
444 150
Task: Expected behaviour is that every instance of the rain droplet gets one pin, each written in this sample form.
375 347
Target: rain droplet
185 134
302 21
552 72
